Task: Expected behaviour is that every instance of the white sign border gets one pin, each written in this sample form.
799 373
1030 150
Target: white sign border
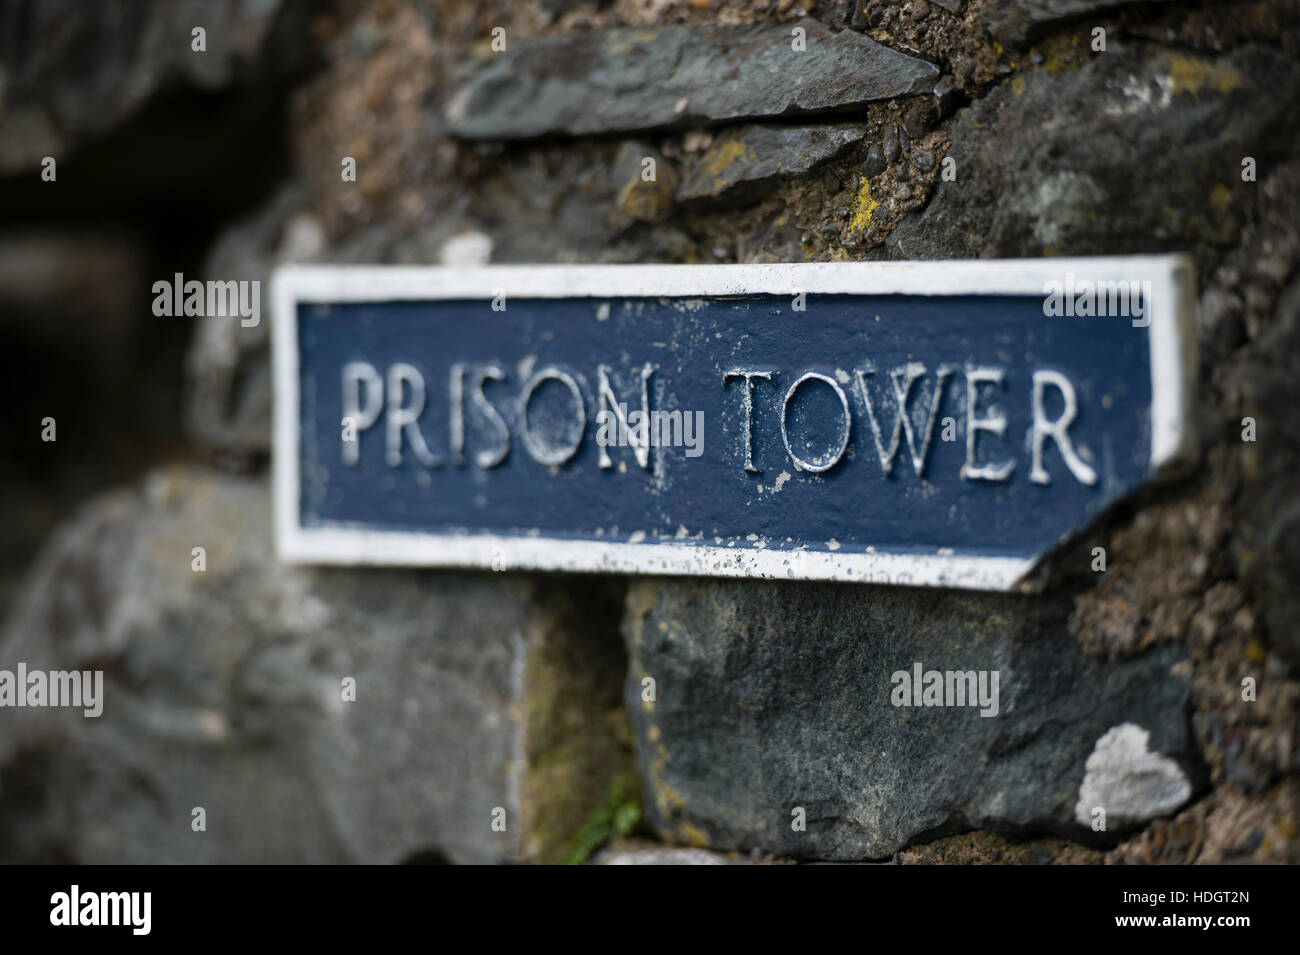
1173 374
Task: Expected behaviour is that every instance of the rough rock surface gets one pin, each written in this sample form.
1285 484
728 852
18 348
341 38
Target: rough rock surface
628 80
224 690
228 372
72 71
774 698
753 155
1014 21
1154 137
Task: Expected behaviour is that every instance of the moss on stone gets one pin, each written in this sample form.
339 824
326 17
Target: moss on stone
616 817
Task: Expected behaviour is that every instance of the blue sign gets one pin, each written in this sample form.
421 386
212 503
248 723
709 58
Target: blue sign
943 424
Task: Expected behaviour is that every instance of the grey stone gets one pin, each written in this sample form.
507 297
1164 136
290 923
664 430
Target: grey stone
631 79
1267 526
223 690
952 6
1015 21
558 8
891 144
860 18
228 372
1032 179
771 698
754 155
73 71
875 163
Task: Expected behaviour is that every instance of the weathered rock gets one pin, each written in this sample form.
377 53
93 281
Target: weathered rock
645 181
224 690
626 80
228 375
71 72
1015 21
875 163
1268 534
754 155
774 698
1046 164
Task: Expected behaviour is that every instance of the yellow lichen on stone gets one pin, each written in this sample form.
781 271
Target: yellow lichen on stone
719 157
863 209
693 837
1220 195
1191 76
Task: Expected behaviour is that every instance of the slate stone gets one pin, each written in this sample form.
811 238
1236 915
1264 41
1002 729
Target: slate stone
637 79
771 698
1016 21
754 155
223 689
1267 547
1045 164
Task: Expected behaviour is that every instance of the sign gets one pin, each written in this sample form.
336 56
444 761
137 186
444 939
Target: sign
940 423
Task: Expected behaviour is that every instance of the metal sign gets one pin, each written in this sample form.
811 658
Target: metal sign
937 423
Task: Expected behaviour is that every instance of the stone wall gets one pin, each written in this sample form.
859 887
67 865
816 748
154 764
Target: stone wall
919 129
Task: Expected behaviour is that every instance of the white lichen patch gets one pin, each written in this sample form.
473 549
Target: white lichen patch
1142 95
1127 780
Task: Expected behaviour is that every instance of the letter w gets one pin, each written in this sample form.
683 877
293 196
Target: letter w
903 378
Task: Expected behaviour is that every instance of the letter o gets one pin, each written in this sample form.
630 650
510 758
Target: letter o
551 456
848 424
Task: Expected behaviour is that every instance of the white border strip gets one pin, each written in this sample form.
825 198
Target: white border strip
1173 371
